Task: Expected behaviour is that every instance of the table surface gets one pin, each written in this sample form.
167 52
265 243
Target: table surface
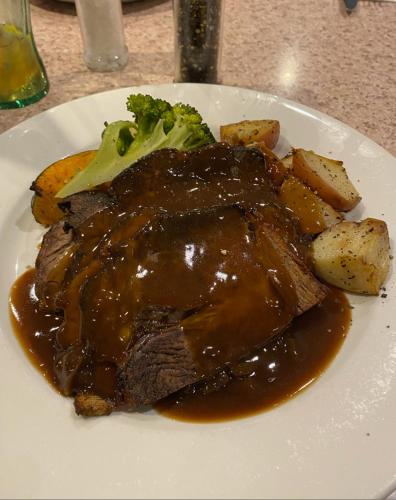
343 65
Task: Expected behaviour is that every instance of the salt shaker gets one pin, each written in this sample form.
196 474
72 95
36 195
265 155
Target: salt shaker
198 33
103 34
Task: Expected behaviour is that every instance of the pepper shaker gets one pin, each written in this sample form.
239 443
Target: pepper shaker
198 35
102 32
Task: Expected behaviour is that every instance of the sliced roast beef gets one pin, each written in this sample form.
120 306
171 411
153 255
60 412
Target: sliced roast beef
195 291
169 181
190 265
79 207
160 361
59 241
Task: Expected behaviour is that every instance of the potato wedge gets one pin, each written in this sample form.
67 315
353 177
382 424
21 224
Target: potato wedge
248 131
327 177
44 204
353 255
313 214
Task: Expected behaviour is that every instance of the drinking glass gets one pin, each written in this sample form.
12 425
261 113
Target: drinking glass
23 79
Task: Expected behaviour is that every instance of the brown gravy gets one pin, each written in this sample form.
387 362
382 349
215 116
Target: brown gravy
34 328
287 365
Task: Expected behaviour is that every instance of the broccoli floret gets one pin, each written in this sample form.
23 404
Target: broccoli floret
148 111
156 125
188 131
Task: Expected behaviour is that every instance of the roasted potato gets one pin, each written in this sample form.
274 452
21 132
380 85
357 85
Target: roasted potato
314 214
249 131
353 255
44 204
326 177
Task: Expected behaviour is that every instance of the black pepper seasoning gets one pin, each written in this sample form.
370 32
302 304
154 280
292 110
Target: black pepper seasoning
197 40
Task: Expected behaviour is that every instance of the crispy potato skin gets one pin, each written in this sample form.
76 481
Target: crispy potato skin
249 131
314 214
44 204
353 255
327 177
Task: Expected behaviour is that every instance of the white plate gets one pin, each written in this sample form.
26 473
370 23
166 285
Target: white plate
335 440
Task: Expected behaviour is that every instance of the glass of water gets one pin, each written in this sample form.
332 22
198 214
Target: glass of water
23 79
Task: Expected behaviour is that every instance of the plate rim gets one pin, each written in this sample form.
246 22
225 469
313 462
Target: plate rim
314 113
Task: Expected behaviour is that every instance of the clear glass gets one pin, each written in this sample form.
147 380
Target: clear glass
198 37
23 79
103 34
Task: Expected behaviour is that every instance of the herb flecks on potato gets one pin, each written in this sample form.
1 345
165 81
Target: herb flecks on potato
327 177
249 131
353 255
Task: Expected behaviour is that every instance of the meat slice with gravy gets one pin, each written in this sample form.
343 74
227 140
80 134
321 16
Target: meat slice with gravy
190 264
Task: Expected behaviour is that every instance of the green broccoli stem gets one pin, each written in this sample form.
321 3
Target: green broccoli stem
178 135
98 170
108 162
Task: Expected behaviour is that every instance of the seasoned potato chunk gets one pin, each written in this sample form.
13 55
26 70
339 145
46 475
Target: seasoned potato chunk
353 255
327 177
248 131
313 214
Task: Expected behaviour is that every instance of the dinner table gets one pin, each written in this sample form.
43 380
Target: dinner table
311 52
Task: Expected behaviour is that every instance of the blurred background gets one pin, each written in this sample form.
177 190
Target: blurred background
310 51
